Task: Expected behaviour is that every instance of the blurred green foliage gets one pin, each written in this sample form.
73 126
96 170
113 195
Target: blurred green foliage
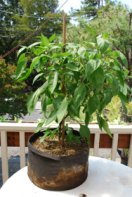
13 94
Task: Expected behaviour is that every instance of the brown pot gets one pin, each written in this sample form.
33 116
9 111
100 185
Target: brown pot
53 172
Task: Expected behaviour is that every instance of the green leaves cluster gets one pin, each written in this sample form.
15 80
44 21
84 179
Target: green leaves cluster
75 79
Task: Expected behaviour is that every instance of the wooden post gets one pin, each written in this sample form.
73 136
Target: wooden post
62 123
130 21
64 29
4 155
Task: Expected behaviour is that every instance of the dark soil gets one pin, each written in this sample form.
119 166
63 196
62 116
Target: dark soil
53 147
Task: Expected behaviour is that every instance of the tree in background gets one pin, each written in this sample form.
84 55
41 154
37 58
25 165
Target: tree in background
40 13
13 96
20 18
89 8
9 36
115 22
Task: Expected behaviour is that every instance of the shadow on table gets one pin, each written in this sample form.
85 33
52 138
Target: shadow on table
14 166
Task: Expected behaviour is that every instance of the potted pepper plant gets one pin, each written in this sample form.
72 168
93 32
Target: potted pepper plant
79 79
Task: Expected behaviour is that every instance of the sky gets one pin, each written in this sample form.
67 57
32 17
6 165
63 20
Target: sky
76 4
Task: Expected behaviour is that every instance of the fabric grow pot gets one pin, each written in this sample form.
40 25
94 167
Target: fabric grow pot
54 172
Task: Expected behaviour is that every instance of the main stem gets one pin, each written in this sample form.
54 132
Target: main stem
62 132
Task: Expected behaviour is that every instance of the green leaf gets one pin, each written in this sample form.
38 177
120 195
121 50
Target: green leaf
34 63
55 80
124 89
115 86
21 65
69 135
52 81
54 48
81 52
104 125
102 43
62 111
122 57
44 136
90 67
56 101
45 103
116 66
97 78
52 38
72 66
48 133
87 118
51 118
91 45
121 77
33 45
73 110
107 96
84 131
21 50
44 40
35 97
123 98
79 95
37 50
37 77
93 104
39 126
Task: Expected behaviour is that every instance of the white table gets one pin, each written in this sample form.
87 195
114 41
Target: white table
106 179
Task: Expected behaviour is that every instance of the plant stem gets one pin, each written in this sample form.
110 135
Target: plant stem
62 132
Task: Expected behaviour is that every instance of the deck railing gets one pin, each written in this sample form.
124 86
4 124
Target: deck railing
23 128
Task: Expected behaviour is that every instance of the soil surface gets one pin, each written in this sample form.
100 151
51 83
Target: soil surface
53 147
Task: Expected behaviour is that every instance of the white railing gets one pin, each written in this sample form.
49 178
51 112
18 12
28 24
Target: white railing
22 128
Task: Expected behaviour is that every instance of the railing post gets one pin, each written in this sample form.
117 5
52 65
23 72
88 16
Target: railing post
4 155
130 153
96 144
22 148
114 146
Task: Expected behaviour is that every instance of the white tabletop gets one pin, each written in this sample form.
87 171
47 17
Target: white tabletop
106 179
